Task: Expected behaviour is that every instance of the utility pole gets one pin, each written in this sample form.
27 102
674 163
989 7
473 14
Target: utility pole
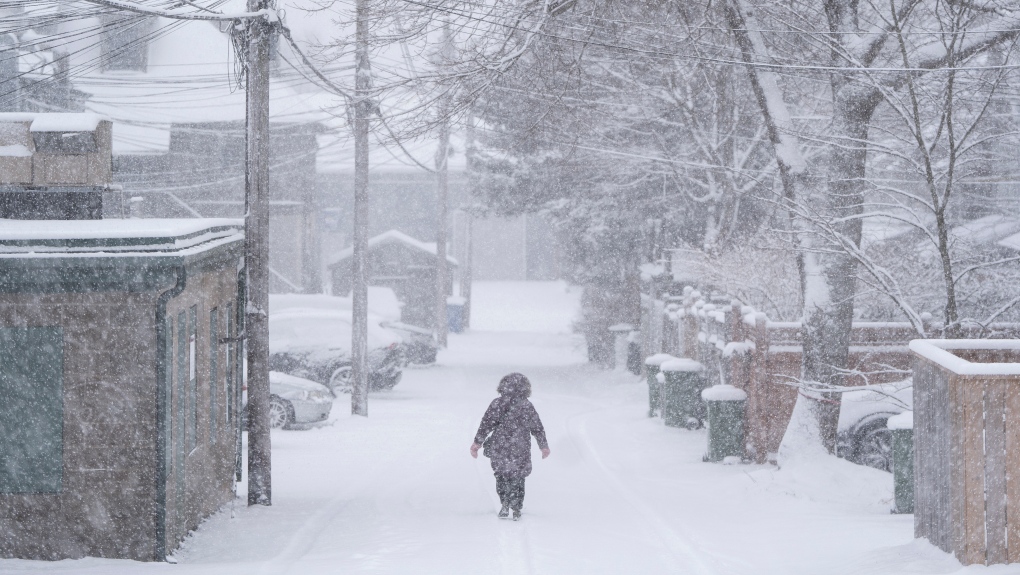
468 243
256 253
359 284
442 208
442 214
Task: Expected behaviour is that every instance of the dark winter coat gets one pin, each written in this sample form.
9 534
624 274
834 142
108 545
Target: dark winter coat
510 449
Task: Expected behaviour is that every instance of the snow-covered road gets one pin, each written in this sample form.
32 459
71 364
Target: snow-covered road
397 492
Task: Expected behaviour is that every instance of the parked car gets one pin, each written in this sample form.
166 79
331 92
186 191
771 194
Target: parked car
294 400
315 344
420 346
863 436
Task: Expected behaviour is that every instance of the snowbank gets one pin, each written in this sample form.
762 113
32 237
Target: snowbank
524 306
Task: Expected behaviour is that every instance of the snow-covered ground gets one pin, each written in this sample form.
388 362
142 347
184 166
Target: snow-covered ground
397 492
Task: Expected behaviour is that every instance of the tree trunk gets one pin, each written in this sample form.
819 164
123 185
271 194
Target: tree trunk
359 278
829 305
256 257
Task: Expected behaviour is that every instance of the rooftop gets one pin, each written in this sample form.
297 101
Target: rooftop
134 237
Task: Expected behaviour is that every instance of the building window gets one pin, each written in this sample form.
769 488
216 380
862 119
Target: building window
182 378
168 384
214 335
228 379
125 42
32 410
192 378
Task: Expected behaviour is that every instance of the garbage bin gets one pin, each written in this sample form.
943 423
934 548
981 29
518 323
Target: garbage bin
683 381
621 332
652 365
902 428
455 314
725 405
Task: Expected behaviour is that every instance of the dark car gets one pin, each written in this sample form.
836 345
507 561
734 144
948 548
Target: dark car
863 435
420 346
316 344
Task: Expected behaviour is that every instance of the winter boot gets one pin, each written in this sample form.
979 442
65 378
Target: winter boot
504 511
517 514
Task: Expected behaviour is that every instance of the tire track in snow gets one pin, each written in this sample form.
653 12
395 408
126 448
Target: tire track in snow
678 545
304 539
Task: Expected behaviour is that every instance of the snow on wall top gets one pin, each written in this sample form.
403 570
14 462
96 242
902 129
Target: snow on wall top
42 238
84 122
938 351
397 237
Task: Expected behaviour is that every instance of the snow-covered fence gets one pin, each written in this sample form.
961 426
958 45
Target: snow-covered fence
742 347
967 448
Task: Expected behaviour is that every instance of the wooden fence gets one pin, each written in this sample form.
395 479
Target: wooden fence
743 348
967 448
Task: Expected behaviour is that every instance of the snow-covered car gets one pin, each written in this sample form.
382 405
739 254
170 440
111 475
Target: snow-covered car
315 343
863 436
297 400
420 346
294 400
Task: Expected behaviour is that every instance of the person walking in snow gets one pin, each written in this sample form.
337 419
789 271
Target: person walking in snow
505 433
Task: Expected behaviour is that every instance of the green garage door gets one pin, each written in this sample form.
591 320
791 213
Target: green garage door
31 409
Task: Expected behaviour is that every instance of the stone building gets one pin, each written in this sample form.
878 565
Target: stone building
119 425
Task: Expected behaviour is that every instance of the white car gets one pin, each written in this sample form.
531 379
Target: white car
863 436
296 400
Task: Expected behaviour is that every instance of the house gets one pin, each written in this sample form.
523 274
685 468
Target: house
403 264
56 166
120 379
178 112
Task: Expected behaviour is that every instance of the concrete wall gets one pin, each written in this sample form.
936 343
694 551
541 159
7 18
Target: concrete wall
106 505
108 502
200 472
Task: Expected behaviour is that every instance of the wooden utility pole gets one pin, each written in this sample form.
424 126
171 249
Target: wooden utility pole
465 271
359 283
467 251
256 254
442 208
442 214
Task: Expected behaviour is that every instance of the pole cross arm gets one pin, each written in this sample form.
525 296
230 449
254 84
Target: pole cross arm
207 15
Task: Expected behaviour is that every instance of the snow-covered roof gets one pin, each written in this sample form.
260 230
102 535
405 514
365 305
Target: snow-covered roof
878 229
1012 242
56 122
987 229
395 236
46 238
188 80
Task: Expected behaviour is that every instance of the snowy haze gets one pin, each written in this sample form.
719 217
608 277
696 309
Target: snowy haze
397 492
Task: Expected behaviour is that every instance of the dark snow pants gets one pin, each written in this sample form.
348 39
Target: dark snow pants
510 490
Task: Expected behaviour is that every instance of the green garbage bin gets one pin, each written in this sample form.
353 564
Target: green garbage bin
652 364
725 422
902 428
683 380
